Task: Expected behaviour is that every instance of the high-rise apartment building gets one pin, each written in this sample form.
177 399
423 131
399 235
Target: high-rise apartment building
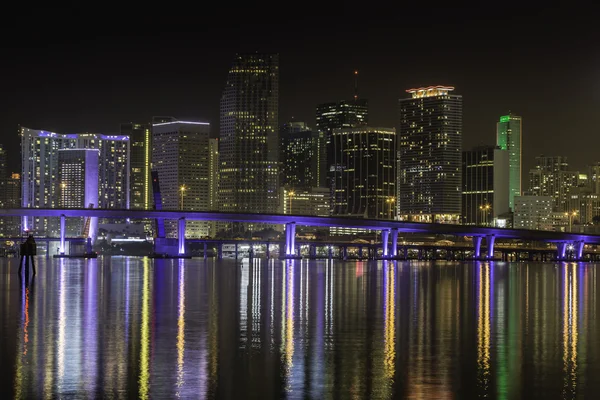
552 177
365 182
11 226
140 186
39 172
181 154
78 177
509 137
249 143
302 156
533 212
430 155
485 184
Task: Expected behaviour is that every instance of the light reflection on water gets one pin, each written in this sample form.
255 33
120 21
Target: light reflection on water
141 328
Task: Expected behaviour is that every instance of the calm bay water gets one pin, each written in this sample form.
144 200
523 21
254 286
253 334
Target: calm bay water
128 327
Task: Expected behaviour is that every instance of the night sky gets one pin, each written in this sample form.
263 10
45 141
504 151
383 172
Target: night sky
79 70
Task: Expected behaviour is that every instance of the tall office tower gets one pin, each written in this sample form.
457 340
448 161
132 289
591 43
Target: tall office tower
39 172
302 156
181 156
485 174
249 143
533 212
338 115
140 196
213 144
594 177
430 155
78 177
365 183
551 177
509 137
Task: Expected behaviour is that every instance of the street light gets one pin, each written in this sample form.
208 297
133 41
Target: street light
182 190
484 211
570 215
390 201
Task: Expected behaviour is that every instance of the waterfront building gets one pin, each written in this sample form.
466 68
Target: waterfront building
533 212
430 155
302 156
552 177
509 137
140 158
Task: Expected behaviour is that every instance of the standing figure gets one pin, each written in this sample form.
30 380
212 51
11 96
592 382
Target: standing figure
28 250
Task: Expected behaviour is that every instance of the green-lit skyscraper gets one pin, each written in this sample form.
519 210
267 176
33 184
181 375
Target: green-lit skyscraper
508 137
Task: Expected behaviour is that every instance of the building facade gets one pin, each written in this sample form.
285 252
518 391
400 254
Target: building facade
552 177
509 137
485 185
248 137
181 154
140 159
309 201
533 212
430 155
365 182
302 156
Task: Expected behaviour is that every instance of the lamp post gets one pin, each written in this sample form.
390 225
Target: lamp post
182 191
390 201
570 215
484 210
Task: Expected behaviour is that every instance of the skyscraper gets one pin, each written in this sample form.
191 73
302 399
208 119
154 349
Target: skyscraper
78 177
181 156
302 154
249 143
430 155
39 172
140 163
485 184
3 177
365 183
509 137
552 177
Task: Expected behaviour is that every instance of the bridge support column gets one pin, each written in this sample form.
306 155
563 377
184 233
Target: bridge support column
561 250
63 232
236 251
405 251
330 252
490 239
205 251
360 253
477 247
579 248
290 238
181 236
384 242
267 251
394 252
345 253
220 251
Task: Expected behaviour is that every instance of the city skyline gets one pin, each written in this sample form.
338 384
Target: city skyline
97 83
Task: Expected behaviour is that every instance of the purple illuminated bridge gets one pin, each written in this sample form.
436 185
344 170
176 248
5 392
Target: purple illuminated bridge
389 228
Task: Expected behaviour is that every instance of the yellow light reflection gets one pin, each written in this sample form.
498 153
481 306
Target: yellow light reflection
181 328
390 323
570 333
62 323
483 328
21 358
144 379
288 317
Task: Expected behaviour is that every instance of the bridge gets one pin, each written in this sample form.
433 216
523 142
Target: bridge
389 228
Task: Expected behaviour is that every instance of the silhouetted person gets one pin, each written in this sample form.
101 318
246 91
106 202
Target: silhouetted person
28 250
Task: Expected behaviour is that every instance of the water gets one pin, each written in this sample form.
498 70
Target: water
128 327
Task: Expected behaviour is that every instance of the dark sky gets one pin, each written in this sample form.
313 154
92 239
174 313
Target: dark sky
74 70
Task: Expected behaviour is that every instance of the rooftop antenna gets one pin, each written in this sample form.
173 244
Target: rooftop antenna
355 84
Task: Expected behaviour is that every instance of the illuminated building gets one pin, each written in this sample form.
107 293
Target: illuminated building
509 137
10 195
430 155
485 185
39 172
181 154
309 201
365 182
248 137
302 156
338 115
139 163
533 212
594 177
551 177
213 183
78 177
